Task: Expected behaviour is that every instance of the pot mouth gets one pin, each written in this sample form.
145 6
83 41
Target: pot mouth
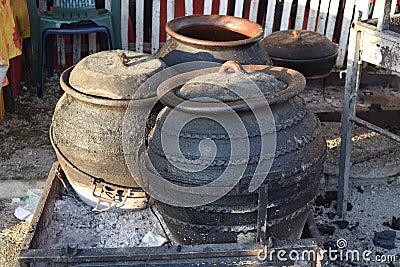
214 30
97 100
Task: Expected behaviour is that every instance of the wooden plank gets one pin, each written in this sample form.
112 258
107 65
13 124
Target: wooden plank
239 8
301 8
323 12
253 10
223 7
124 23
344 35
207 7
312 15
44 209
381 51
139 25
92 43
287 6
155 27
269 19
188 7
76 55
170 12
107 4
332 15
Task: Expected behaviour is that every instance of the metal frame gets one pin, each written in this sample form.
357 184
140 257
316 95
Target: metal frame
33 254
382 49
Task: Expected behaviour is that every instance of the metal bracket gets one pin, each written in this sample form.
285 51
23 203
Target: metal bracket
112 195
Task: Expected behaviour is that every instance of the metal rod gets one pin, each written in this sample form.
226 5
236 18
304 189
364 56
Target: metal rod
375 128
349 108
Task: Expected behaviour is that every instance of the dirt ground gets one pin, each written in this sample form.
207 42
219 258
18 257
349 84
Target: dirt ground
26 157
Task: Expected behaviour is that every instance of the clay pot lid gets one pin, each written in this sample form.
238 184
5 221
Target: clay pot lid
231 75
202 91
298 44
115 74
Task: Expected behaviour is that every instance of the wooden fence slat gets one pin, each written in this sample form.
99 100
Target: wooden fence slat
207 7
170 12
332 15
344 35
76 55
139 25
124 23
323 12
269 19
188 8
363 6
61 51
92 43
239 8
223 7
253 10
155 27
42 5
393 8
301 8
312 15
107 4
379 6
287 6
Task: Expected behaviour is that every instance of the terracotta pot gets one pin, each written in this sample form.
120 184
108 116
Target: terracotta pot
87 126
213 38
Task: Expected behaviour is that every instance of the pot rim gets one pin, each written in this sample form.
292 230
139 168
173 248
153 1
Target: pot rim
98 100
306 60
227 22
295 81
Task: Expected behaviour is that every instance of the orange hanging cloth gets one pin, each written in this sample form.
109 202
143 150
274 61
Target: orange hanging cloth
10 42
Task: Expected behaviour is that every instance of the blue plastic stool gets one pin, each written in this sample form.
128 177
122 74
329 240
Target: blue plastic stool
64 31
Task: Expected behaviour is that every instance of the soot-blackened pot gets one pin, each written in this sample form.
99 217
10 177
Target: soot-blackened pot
297 161
87 127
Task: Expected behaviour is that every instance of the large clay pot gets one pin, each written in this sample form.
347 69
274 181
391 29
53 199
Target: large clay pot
86 130
292 181
213 38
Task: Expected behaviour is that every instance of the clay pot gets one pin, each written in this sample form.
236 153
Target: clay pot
86 130
308 52
294 176
213 38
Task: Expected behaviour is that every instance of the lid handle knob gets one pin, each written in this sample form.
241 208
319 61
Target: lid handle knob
232 65
120 60
296 34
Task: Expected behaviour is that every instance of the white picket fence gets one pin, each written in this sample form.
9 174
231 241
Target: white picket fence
322 18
